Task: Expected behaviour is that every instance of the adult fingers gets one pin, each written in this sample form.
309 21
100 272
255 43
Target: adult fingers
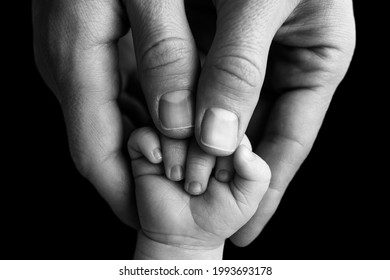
292 128
167 63
174 155
76 55
307 72
198 169
234 70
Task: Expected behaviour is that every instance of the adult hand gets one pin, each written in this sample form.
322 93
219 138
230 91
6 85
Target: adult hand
306 47
76 52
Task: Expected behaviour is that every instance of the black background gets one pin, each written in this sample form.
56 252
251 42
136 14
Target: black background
336 207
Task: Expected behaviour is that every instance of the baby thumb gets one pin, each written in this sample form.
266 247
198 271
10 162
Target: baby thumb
252 177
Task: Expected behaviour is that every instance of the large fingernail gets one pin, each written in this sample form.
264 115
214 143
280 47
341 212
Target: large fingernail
219 129
176 173
194 188
176 110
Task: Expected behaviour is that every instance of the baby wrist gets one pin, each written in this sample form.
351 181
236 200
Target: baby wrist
148 249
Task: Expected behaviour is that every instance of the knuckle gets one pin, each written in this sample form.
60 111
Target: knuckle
169 54
237 72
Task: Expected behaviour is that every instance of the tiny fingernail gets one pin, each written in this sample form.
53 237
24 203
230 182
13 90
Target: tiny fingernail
219 129
176 173
194 188
224 176
157 154
248 154
176 110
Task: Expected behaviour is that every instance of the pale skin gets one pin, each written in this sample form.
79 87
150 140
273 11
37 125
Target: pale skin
283 58
177 225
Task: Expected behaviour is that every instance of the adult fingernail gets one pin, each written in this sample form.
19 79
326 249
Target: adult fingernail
176 173
194 188
219 129
176 110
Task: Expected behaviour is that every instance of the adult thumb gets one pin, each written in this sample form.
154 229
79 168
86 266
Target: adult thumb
233 73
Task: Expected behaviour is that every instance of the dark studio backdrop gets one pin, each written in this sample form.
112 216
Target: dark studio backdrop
337 206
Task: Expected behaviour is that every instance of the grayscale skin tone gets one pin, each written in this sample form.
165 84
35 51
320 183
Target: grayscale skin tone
177 225
211 70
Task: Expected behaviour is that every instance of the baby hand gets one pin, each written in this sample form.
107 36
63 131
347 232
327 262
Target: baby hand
173 221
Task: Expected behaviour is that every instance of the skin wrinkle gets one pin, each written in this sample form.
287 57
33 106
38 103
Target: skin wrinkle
241 199
145 12
83 74
197 248
240 68
163 28
234 102
186 202
196 220
165 52
204 197
199 163
255 15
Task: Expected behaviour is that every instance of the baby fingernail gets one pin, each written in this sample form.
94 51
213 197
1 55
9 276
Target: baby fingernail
176 110
194 188
224 176
176 173
248 154
219 129
157 154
